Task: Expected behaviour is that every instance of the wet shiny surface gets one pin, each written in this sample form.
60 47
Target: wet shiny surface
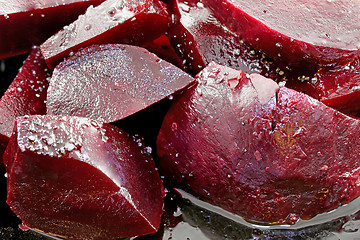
270 158
79 178
110 82
114 21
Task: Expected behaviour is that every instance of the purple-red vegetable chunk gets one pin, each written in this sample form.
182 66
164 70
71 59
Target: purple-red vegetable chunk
268 154
81 179
111 82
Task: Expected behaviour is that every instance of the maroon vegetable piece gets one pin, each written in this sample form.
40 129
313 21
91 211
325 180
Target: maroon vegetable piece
25 95
27 23
200 39
80 179
340 89
269 154
337 88
111 82
162 48
114 21
299 33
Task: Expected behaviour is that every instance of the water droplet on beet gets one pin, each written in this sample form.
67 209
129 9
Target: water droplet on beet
87 27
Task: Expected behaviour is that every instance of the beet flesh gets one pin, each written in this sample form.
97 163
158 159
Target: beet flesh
299 33
269 154
25 95
80 179
113 21
27 23
200 38
110 82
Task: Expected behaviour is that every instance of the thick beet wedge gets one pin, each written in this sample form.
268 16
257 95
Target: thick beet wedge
114 21
27 23
337 88
200 38
299 33
111 82
340 88
269 154
25 95
80 179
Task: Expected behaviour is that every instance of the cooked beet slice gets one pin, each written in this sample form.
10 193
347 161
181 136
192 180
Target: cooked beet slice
80 179
200 39
111 82
25 95
113 21
27 23
268 154
299 33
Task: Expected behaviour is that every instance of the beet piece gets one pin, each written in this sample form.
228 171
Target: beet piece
27 23
269 154
111 82
25 95
299 33
340 88
337 88
164 50
114 21
200 39
80 179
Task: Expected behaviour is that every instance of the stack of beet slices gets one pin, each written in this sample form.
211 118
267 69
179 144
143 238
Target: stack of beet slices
257 113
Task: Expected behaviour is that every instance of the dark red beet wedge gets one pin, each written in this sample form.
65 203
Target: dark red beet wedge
269 154
162 48
200 38
337 88
80 179
111 82
25 95
299 33
340 88
114 21
27 23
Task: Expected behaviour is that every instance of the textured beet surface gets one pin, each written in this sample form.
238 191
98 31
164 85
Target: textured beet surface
114 21
269 154
300 33
25 95
80 179
27 23
111 82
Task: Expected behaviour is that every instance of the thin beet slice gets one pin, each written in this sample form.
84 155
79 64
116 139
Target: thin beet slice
27 23
80 179
25 95
111 82
299 33
268 154
114 21
200 38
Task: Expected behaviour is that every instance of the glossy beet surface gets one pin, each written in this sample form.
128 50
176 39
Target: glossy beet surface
269 154
200 38
80 179
340 88
111 82
25 95
299 33
27 23
114 21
